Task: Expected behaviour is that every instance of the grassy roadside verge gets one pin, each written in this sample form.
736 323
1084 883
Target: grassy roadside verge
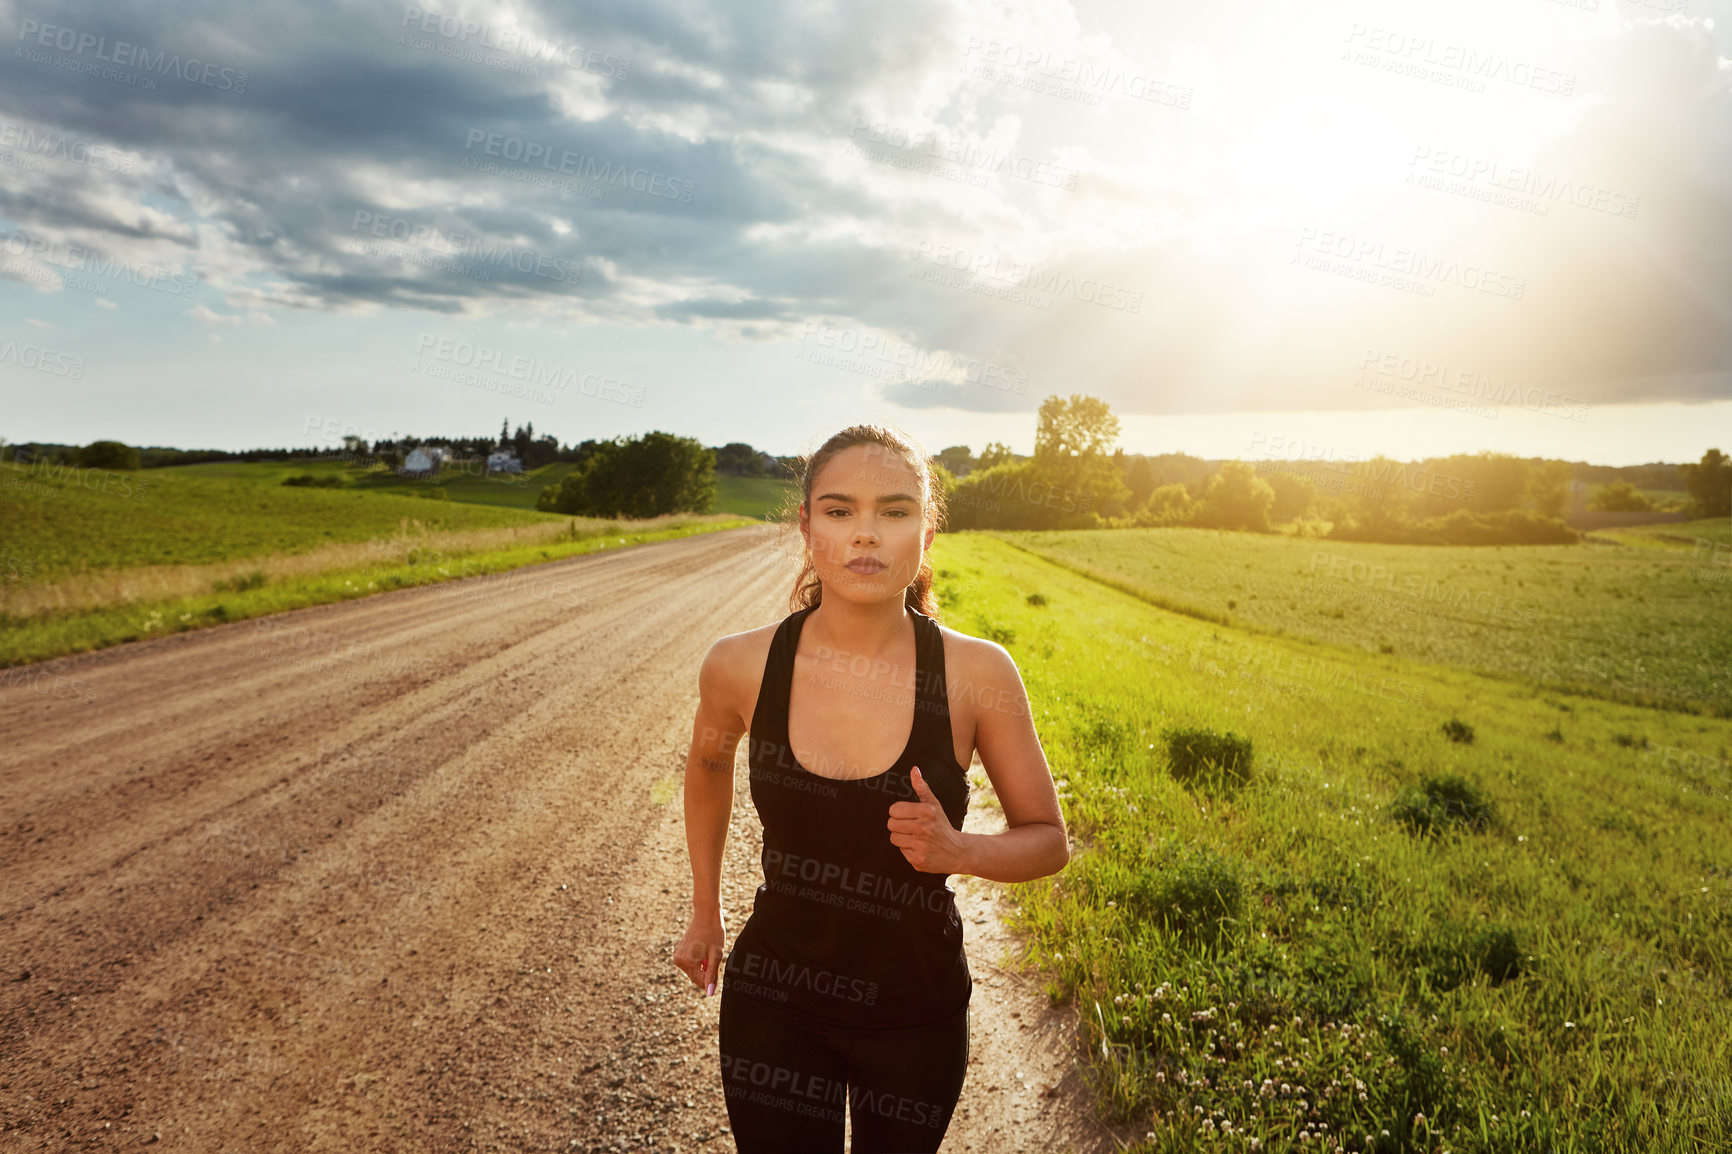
1643 620
102 609
1350 950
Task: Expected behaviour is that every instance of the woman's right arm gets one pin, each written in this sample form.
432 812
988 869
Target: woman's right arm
709 801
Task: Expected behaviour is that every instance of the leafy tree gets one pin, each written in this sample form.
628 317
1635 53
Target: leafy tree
1167 505
1073 444
107 455
1140 478
1294 496
995 453
646 476
1620 497
1710 484
1237 498
1549 486
1081 427
1500 481
957 459
739 459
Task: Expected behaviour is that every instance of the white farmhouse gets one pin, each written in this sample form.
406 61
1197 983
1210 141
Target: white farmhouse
426 459
503 461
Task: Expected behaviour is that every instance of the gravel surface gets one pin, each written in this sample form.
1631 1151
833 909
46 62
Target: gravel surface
405 874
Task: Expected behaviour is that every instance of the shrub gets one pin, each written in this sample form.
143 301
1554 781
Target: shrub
1462 527
1236 498
1019 495
106 455
1498 954
1440 804
1036 599
1205 756
307 480
1167 505
640 477
1620 497
1195 890
1452 954
1458 730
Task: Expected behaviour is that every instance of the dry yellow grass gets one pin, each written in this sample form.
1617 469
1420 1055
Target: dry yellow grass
106 588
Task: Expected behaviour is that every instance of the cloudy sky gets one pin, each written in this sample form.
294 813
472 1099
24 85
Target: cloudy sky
1408 228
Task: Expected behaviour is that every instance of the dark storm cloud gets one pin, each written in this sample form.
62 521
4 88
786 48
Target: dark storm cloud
688 163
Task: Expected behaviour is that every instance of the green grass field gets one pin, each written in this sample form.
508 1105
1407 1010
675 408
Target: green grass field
1285 960
90 558
73 520
65 522
1644 617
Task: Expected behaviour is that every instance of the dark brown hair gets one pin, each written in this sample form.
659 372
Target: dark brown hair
808 589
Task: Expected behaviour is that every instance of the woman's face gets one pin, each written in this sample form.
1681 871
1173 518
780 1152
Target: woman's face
864 524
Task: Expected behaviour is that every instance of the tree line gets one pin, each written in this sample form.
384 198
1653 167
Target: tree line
1078 478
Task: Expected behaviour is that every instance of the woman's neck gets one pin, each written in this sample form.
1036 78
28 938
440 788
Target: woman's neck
866 629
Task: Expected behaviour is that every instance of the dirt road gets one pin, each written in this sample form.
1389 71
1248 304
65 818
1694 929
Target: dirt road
404 874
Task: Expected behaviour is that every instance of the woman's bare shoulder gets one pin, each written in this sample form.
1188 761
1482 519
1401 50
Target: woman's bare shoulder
735 664
975 658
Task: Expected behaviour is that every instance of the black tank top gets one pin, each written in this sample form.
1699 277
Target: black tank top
844 931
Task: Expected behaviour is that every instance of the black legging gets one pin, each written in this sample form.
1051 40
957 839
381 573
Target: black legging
786 1084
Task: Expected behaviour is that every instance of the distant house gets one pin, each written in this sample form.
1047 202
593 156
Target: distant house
426 459
504 461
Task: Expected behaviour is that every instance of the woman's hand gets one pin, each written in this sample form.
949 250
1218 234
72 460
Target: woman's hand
922 831
699 953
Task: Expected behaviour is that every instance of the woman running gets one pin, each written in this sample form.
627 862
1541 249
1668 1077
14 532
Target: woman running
848 986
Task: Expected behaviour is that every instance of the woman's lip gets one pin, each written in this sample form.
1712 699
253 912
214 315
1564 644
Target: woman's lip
864 565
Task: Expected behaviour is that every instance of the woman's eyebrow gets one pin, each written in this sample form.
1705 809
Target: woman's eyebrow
888 498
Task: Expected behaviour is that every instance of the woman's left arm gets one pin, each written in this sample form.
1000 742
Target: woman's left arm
1035 844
